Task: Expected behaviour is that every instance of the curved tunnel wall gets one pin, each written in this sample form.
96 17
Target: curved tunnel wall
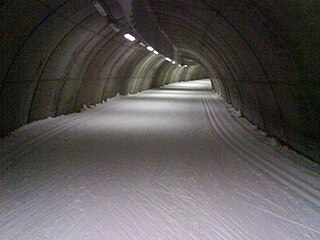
60 55
261 56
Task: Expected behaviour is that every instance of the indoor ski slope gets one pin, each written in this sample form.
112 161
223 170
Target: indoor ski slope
170 163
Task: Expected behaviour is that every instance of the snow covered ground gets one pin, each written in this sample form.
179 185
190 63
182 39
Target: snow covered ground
170 163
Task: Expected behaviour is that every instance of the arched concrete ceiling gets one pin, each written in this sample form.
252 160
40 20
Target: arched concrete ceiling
262 56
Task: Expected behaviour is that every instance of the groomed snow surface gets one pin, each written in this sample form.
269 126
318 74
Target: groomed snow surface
170 163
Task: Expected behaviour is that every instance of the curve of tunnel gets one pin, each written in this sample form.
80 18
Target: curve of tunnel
261 56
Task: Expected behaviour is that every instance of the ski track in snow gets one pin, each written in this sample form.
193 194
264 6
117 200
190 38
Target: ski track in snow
168 163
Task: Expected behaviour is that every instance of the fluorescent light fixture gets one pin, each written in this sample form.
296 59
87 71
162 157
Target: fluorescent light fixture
129 37
179 65
173 62
114 28
155 52
142 44
168 59
100 9
150 48
185 66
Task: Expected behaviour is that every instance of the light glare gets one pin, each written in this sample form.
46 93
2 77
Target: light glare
129 37
150 48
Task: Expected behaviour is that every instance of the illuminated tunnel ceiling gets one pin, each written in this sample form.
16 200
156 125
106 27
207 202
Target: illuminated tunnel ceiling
261 56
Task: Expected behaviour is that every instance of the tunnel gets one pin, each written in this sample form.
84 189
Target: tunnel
259 59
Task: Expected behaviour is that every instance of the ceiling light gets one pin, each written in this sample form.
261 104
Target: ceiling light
100 9
142 44
173 62
155 52
150 48
185 66
179 65
129 37
168 59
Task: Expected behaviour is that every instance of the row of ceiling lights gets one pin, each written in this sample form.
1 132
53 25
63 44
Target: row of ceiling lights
151 49
128 36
